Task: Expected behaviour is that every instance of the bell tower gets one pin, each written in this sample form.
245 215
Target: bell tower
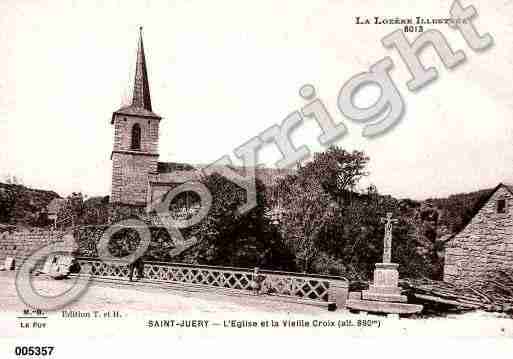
136 137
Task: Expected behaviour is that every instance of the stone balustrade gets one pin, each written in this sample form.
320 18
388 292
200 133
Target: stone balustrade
264 282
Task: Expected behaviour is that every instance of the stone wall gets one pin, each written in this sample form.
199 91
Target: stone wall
83 242
130 168
130 177
484 245
21 244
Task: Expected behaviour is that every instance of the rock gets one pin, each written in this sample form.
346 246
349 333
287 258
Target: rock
50 261
62 268
58 266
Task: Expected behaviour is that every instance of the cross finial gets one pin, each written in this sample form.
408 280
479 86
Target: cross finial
388 218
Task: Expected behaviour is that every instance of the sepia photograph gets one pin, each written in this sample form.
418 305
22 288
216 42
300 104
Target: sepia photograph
256 178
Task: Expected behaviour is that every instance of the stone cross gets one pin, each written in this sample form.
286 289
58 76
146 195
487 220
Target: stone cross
387 245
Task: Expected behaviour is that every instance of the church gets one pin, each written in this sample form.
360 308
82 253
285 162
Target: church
138 177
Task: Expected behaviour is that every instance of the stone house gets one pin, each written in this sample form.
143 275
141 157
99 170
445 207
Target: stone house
485 245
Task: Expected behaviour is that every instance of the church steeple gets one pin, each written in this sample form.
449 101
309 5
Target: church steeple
135 151
141 95
141 99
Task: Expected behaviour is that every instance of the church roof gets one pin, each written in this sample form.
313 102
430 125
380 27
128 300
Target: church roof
167 167
268 176
141 99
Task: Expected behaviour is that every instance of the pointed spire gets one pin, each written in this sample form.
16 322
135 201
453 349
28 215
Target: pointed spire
141 96
141 100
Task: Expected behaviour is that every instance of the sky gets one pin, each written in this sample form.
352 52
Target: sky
222 72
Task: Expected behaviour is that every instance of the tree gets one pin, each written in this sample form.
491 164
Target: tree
355 236
306 209
337 170
7 203
430 240
229 238
311 199
14 180
332 229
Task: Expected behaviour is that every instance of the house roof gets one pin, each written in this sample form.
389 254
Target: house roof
484 201
509 187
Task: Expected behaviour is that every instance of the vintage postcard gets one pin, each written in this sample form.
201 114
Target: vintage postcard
256 178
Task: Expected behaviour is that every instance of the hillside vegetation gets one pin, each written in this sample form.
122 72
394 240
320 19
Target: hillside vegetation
318 223
23 206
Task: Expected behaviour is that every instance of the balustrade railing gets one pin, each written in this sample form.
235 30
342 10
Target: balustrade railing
303 286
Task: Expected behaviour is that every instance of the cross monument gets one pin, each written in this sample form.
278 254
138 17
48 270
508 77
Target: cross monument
384 294
387 245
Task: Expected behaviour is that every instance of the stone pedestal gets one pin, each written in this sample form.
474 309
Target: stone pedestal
374 306
384 294
386 284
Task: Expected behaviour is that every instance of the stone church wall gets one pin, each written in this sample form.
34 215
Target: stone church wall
130 168
484 245
123 131
130 178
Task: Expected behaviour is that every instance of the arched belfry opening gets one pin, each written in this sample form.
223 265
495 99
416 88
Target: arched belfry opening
136 137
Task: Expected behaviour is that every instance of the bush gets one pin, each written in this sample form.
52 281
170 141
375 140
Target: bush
123 242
